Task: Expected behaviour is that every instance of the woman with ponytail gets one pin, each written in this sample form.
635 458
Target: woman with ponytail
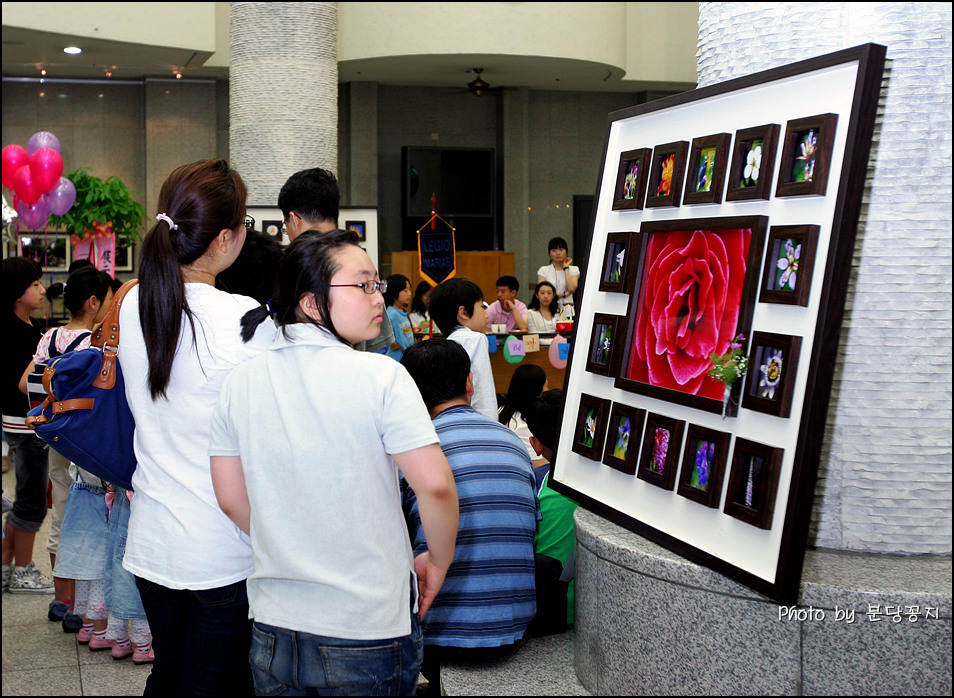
180 339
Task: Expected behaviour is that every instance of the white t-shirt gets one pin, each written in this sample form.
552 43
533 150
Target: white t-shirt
518 426
315 422
537 323
478 349
178 536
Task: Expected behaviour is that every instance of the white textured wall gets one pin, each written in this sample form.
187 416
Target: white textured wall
885 477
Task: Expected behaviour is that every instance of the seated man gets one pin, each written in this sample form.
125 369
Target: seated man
488 597
507 310
556 536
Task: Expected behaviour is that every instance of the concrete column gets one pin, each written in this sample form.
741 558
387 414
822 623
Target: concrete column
283 96
513 148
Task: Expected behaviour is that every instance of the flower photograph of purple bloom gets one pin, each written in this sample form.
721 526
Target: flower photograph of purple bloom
700 470
787 276
703 464
659 456
788 265
622 440
631 179
769 385
771 370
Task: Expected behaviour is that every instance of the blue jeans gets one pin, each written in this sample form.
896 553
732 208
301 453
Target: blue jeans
84 534
290 663
201 639
122 595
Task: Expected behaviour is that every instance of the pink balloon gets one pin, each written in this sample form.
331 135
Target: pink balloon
42 139
62 197
25 187
46 166
554 353
14 157
35 216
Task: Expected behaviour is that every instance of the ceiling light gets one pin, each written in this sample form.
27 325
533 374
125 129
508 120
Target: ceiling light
72 50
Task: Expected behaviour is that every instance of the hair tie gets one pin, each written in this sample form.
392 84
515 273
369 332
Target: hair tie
268 307
169 222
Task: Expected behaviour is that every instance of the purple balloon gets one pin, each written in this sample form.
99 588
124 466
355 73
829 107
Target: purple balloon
62 197
35 216
42 139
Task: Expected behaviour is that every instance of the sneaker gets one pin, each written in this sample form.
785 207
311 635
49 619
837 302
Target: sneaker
143 655
7 574
121 650
58 610
98 643
72 622
29 580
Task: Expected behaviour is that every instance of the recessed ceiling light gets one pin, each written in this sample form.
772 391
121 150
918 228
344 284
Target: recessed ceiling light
72 50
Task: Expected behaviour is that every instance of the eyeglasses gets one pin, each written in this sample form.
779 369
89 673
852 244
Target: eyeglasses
484 305
368 287
249 223
285 221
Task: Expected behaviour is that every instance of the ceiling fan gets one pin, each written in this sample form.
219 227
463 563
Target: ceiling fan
478 87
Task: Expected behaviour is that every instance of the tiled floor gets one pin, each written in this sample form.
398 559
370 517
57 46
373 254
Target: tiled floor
39 659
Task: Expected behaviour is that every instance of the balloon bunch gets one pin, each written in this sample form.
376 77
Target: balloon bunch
35 176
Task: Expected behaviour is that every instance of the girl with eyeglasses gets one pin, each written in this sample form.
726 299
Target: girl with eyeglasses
307 442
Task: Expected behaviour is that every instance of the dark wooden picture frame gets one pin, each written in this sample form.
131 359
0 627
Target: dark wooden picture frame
616 276
604 354
809 140
589 435
273 229
359 227
753 483
770 381
746 161
662 442
703 464
631 179
656 197
642 349
705 178
789 263
622 447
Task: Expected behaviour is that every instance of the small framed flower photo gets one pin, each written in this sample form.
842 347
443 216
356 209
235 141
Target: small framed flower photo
753 483
591 426
619 262
272 229
773 360
703 464
603 355
753 163
622 437
659 455
787 277
706 176
358 227
125 252
666 171
631 179
806 156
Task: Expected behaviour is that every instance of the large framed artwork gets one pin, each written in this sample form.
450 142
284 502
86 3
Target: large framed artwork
727 317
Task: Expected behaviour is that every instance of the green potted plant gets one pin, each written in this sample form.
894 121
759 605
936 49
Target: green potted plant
101 206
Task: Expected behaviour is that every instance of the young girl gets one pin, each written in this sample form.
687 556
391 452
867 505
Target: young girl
306 443
544 309
180 339
419 316
562 274
526 384
397 296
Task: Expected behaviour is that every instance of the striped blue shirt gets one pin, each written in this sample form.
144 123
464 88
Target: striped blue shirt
488 597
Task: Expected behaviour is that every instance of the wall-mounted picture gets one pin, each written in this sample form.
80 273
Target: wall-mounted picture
753 483
124 256
622 437
666 171
703 464
272 229
806 156
631 179
770 380
52 252
591 426
618 262
753 163
358 227
697 288
789 261
659 455
604 351
705 178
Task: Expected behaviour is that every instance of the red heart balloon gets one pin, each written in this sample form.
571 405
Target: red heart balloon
25 187
14 157
46 166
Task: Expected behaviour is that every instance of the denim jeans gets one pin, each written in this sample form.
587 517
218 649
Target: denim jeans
31 457
201 639
84 538
289 663
122 595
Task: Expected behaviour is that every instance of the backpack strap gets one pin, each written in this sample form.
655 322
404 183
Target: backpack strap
76 342
106 337
52 350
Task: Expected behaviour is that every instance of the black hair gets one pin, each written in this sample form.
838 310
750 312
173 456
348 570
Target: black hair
543 417
440 368
396 284
417 305
525 385
509 281
80 286
202 199
79 264
534 303
19 273
307 267
557 242
253 272
312 194
447 298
